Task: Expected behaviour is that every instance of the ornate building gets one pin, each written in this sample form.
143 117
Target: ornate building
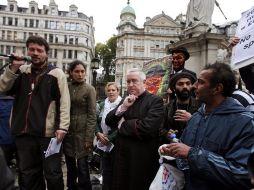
69 33
138 45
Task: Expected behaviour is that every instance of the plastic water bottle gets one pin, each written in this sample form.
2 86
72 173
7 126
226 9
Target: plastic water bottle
181 163
173 138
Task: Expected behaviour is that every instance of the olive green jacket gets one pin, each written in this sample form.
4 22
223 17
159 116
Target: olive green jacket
82 120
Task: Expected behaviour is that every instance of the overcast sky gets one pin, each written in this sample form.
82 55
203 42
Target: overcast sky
106 13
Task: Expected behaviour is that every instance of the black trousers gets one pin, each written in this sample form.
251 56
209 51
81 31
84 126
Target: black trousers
77 169
34 168
107 161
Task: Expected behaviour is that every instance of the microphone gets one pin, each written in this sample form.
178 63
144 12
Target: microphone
10 56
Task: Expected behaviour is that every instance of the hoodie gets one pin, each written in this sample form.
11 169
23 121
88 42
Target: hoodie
221 143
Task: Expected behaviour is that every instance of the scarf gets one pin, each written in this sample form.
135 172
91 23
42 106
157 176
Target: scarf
108 106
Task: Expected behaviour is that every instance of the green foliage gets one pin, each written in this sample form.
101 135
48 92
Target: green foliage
107 53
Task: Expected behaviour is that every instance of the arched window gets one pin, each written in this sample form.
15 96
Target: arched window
11 7
32 10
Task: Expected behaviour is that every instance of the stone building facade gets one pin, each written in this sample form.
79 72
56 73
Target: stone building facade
137 45
69 33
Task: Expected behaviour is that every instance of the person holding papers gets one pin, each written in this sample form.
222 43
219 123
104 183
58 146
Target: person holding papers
41 110
105 135
78 141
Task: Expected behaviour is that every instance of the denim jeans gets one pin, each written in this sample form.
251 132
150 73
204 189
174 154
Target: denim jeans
77 169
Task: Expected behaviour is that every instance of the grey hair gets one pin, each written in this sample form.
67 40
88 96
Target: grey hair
141 74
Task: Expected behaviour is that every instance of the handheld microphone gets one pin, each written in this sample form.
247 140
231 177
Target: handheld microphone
25 58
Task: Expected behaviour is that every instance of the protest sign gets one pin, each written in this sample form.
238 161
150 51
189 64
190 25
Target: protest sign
243 52
157 75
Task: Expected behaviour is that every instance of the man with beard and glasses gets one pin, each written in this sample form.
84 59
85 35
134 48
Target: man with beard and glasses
41 110
179 110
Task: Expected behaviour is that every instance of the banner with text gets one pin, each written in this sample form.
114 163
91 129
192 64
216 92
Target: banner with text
243 52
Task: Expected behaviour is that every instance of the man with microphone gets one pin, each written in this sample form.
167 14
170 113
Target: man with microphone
138 119
40 111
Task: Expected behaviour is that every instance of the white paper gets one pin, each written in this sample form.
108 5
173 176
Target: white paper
53 147
243 52
105 148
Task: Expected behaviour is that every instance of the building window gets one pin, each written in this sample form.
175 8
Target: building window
78 26
65 39
71 39
30 34
56 38
25 22
16 21
46 36
76 40
2 48
75 54
73 26
67 26
86 56
24 50
13 48
3 34
8 49
31 24
87 29
11 7
10 21
86 41
51 38
55 53
46 24
37 23
69 54
9 35
4 20
24 36
32 10
15 35
50 53
64 54
52 24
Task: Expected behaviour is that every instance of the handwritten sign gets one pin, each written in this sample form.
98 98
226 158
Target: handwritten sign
243 52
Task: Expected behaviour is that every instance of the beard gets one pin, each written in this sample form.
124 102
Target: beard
183 95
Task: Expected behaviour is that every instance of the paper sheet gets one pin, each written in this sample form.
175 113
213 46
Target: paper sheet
53 147
105 148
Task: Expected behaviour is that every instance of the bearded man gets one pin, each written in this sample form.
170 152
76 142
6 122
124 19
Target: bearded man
179 110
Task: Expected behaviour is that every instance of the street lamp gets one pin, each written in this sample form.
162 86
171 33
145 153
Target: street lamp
94 66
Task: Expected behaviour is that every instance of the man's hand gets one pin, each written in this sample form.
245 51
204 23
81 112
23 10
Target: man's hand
60 135
16 63
182 115
129 101
175 150
233 41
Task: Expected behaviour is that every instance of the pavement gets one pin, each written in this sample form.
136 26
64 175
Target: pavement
95 177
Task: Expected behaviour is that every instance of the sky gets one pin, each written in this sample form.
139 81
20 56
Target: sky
106 13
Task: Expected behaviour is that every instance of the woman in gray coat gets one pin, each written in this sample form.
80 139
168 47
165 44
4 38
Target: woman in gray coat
79 140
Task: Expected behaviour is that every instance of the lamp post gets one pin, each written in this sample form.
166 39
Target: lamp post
94 66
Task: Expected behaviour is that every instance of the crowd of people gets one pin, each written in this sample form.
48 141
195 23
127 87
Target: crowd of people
207 113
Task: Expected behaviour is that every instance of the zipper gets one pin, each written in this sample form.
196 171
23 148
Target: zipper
29 104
